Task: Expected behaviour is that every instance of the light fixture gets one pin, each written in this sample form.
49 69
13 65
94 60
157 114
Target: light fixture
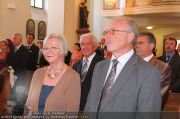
149 27
11 5
109 2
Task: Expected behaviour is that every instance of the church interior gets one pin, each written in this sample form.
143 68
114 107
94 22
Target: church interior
43 17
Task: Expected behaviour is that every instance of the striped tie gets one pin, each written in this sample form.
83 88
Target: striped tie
84 70
167 59
109 82
15 49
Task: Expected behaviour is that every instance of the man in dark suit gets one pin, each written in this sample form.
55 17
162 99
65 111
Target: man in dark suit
41 62
124 83
145 45
88 44
18 59
33 52
172 57
67 58
18 55
102 48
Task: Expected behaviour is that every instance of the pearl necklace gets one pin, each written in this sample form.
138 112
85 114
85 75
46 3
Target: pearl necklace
53 75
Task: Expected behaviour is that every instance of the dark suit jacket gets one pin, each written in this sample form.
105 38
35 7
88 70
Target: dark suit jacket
100 51
43 61
165 75
68 58
18 60
86 85
175 69
136 89
33 57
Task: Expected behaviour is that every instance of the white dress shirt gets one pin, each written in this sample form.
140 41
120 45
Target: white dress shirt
148 58
18 46
122 61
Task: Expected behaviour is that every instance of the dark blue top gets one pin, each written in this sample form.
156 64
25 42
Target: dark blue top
45 91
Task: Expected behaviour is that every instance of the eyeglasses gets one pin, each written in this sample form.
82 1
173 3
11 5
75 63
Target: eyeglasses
52 49
112 31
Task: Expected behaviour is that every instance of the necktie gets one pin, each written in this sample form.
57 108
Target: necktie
15 49
28 47
167 58
102 47
39 56
109 82
84 70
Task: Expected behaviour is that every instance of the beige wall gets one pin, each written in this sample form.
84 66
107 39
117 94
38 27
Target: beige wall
71 21
13 20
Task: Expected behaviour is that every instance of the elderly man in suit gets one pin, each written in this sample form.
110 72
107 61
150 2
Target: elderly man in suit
172 57
18 55
86 66
145 45
124 83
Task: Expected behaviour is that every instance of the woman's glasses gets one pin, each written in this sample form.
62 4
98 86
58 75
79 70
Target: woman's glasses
52 49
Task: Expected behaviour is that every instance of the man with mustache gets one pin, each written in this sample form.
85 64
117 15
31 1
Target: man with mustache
172 57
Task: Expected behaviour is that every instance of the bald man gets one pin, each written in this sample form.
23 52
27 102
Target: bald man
18 59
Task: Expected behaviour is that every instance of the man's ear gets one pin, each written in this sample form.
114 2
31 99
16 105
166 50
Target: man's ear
152 46
131 37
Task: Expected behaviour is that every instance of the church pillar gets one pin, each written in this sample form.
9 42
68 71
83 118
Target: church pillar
55 14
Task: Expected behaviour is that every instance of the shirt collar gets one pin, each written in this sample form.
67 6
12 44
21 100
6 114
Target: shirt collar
89 58
148 58
124 58
19 46
29 44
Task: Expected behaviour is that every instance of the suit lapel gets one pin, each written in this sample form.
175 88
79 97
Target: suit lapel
122 78
173 59
164 58
18 50
79 67
103 74
91 66
101 80
152 60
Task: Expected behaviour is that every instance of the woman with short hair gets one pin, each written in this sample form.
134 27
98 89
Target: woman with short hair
55 87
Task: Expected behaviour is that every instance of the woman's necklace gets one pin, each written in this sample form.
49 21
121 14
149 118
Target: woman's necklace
53 75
